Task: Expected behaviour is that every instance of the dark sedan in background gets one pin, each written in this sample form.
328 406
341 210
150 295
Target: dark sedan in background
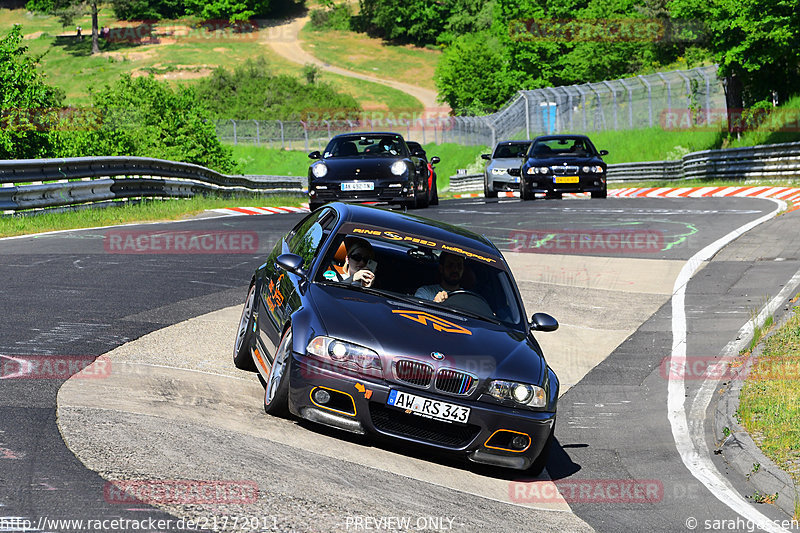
507 155
368 167
463 374
556 164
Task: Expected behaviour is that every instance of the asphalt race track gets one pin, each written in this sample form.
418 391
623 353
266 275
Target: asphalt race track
635 447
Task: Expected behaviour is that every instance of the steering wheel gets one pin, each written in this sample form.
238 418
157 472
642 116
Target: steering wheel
469 301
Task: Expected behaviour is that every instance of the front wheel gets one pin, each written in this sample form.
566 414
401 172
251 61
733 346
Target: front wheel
435 198
600 194
524 193
276 392
242 358
488 192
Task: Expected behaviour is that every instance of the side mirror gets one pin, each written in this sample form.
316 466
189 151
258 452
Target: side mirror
486 156
315 155
543 322
291 263
603 152
435 160
514 172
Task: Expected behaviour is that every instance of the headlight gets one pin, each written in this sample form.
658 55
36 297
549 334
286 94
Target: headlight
521 393
598 170
543 170
319 170
399 167
586 170
346 355
498 171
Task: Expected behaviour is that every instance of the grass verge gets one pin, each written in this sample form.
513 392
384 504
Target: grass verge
769 403
126 213
367 55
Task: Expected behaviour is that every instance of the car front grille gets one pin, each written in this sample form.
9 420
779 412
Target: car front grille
561 170
455 382
416 427
413 372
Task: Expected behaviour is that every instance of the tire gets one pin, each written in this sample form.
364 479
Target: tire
435 198
276 392
425 201
413 203
313 206
600 194
553 196
540 462
524 193
488 192
242 358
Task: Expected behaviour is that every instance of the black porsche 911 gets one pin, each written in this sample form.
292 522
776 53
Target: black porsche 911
369 167
343 328
556 164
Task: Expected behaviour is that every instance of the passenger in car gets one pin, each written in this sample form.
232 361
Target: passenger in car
355 270
451 271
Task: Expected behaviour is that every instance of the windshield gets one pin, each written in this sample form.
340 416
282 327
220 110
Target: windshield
479 285
562 147
366 145
511 150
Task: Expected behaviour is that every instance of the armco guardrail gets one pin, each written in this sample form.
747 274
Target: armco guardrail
779 161
41 183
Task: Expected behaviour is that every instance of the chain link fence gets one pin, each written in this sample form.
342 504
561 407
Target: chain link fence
654 100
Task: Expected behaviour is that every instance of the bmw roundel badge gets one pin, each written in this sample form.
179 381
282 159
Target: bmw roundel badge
437 355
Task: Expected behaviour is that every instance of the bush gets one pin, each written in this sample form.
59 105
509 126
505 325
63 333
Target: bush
252 92
146 118
28 106
333 17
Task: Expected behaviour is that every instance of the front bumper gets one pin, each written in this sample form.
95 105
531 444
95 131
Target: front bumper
359 405
382 193
547 184
503 182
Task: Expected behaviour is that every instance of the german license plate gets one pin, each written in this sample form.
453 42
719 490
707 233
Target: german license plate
428 407
566 179
358 186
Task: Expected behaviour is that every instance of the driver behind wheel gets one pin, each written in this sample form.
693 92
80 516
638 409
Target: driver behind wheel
451 270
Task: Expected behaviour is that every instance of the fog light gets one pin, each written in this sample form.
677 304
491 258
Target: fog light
321 396
520 442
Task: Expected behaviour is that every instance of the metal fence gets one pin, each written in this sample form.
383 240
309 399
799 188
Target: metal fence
664 99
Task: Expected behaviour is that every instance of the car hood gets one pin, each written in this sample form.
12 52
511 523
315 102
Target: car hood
572 161
507 162
395 328
353 168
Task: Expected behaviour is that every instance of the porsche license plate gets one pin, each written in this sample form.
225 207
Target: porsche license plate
428 407
566 179
358 186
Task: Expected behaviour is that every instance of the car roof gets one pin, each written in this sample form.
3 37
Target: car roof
513 142
556 137
370 133
412 224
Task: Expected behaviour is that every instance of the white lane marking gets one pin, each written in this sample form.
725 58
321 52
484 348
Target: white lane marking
696 459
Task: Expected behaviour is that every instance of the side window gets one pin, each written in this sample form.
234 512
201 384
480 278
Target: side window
306 238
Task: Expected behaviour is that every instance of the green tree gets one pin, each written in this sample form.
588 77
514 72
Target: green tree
755 42
68 11
28 106
469 77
